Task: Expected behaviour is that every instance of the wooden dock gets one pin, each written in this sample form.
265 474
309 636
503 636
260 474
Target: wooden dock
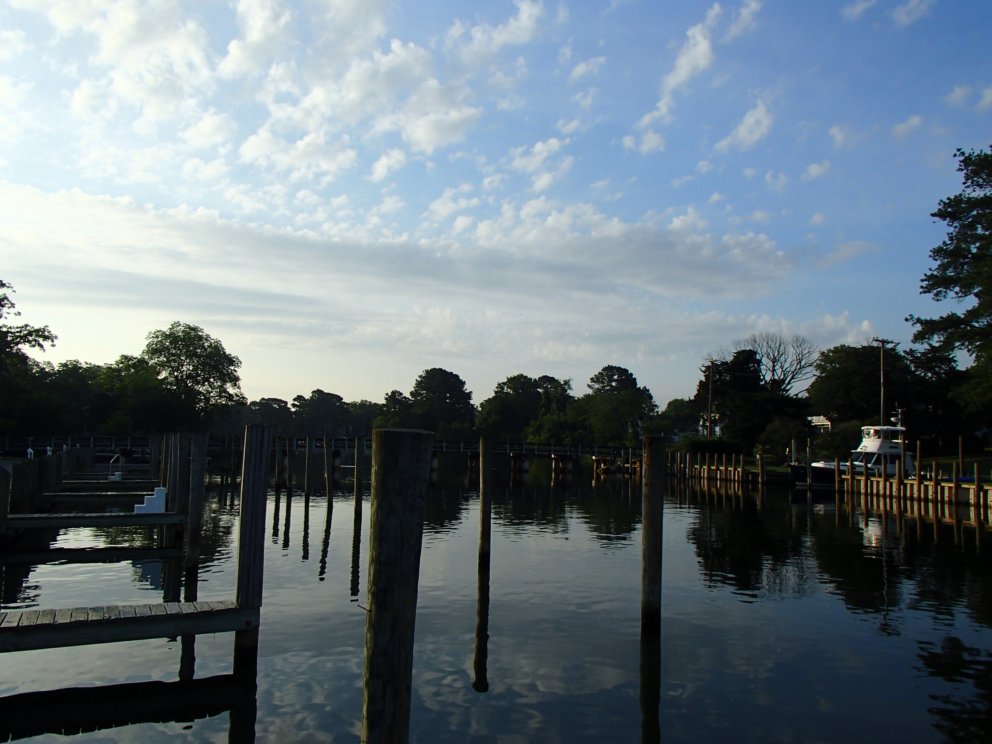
25 630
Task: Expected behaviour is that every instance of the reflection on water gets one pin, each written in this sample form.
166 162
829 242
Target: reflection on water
782 620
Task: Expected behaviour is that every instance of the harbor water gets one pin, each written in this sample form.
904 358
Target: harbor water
783 619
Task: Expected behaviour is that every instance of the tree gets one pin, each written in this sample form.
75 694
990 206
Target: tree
441 403
847 387
274 412
616 406
554 422
21 383
319 412
962 272
515 403
782 362
196 367
14 339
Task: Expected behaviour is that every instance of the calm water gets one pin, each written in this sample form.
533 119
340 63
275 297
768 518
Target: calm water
789 622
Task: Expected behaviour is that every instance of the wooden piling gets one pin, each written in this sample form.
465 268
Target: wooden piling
400 477
652 492
251 536
481 658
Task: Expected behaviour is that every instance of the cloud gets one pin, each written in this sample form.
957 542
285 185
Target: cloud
12 44
985 102
904 128
753 128
387 163
211 130
586 68
853 11
530 159
484 41
744 20
911 11
958 96
776 181
815 170
845 252
263 25
648 142
450 202
695 56
840 135
309 157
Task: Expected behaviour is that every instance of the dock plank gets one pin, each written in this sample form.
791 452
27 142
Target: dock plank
49 628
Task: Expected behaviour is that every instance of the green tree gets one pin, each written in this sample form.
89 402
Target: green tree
196 367
21 377
441 403
16 338
515 403
554 422
616 407
396 411
962 272
319 412
274 412
847 385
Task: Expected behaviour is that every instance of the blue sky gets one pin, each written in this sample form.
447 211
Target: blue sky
348 192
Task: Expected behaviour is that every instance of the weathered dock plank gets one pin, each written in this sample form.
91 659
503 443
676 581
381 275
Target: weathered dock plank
22 630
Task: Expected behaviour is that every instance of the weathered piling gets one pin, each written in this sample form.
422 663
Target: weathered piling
481 658
400 480
652 492
251 535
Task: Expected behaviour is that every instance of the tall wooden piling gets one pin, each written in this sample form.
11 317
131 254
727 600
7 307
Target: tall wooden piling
400 481
251 535
652 491
481 658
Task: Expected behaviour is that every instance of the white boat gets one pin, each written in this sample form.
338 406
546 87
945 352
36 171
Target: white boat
882 449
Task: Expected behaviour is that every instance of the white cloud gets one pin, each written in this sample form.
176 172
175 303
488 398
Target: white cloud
530 159
263 25
432 117
853 11
744 20
911 11
451 202
840 135
695 57
753 128
484 41
586 68
387 163
844 252
959 96
570 126
586 98
211 130
817 218
904 128
776 181
13 119
12 44
815 170
311 156
985 102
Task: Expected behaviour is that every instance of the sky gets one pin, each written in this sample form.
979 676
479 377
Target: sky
348 192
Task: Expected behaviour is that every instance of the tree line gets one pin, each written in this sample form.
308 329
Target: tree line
758 394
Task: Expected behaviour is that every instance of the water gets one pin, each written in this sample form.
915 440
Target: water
786 622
